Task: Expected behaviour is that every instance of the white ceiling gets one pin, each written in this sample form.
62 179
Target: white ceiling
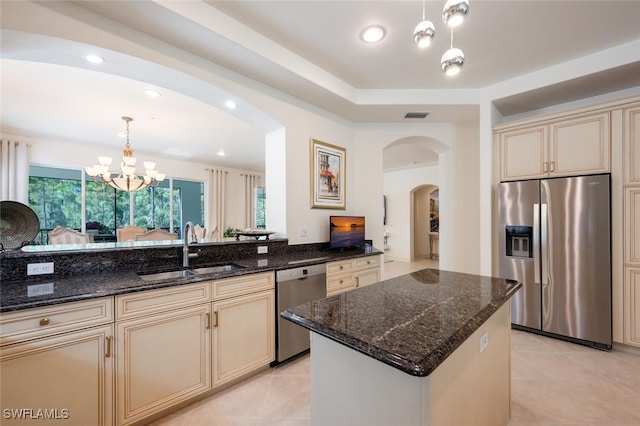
309 50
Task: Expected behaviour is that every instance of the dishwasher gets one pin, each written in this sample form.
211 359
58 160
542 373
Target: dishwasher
295 287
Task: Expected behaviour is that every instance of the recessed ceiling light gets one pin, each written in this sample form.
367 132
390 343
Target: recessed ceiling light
152 93
221 153
94 59
230 104
373 34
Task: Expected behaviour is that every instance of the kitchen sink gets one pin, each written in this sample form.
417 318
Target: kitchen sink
171 275
217 269
184 273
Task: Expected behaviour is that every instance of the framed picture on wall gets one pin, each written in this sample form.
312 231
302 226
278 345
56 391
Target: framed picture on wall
328 177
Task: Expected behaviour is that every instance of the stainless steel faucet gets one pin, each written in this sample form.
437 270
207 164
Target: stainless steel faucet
188 235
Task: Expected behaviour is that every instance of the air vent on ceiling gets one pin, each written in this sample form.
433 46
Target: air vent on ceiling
416 115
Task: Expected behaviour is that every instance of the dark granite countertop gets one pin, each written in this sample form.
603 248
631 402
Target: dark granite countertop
29 293
412 322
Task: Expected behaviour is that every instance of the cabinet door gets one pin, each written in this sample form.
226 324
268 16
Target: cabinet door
632 226
339 283
632 307
162 359
580 145
68 375
367 277
632 144
523 153
243 335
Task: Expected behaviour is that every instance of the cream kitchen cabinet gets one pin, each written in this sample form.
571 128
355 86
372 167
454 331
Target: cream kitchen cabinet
56 364
631 135
632 143
632 307
562 147
163 349
632 266
344 275
243 325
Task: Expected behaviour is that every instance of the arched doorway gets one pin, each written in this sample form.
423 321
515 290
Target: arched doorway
425 222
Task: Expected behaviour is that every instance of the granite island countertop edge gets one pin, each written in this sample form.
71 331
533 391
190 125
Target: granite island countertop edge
429 362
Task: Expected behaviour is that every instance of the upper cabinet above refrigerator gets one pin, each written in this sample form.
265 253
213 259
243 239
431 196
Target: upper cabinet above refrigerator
549 148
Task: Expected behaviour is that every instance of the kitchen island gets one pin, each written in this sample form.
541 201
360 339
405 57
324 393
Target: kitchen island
427 348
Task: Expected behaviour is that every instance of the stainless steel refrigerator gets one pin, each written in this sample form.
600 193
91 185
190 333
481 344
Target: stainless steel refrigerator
555 238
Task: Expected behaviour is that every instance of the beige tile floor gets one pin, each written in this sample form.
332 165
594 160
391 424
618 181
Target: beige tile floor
554 383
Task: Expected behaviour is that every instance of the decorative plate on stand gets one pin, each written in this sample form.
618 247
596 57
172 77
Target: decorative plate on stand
18 224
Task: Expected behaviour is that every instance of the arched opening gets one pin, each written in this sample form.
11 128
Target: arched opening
425 219
411 175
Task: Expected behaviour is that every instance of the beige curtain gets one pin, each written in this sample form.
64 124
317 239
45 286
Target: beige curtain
215 205
14 172
250 182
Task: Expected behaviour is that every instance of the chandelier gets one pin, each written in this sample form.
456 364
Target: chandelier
453 13
126 179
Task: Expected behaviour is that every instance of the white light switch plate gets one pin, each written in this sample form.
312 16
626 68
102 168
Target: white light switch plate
484 341
40 268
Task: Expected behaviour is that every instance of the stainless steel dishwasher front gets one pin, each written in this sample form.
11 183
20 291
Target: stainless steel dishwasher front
294 287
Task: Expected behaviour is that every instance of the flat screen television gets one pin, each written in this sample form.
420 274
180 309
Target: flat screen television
346 232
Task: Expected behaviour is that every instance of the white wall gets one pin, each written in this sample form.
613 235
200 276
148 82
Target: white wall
459 201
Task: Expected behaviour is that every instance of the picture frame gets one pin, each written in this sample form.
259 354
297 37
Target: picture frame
328 175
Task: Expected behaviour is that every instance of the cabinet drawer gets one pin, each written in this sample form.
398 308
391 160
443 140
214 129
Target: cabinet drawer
245 284
339 267
338 283
32 323
156 301
367 262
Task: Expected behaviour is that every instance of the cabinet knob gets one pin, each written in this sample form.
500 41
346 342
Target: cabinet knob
341 281
44 321
368 262
341 267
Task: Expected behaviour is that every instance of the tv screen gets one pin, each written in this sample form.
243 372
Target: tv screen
346 232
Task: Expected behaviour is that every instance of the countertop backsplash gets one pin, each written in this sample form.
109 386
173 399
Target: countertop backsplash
13 264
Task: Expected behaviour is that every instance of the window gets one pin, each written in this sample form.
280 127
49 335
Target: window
261 198
56 197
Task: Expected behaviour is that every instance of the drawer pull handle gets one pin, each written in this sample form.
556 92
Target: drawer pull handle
44 321
108 354
215 319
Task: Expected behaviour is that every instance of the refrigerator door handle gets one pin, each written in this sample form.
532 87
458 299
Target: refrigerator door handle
536 236
544 244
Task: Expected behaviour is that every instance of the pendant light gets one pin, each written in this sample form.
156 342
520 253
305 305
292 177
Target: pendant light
424 32
454 12
126 179
452 60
